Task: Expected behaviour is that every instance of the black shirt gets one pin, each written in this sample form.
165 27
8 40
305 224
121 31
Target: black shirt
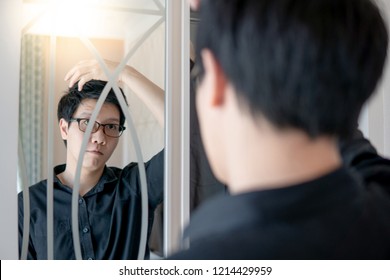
342 215
109 214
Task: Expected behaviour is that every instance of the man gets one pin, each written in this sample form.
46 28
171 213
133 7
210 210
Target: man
282 82
109 198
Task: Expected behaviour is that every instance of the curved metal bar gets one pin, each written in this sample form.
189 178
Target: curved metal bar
159 5
141 166
134 11
144 194
31 23
50 145
76 186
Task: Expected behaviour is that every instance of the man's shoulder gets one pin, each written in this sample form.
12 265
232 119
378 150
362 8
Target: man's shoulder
40 185
36 188
156 160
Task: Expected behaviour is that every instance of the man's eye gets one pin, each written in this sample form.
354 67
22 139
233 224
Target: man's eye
112 127
85 122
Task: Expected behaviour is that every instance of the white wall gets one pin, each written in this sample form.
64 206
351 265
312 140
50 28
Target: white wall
383 101
9 94
149 59
375 118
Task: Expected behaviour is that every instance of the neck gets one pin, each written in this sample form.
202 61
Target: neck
88 178
278 160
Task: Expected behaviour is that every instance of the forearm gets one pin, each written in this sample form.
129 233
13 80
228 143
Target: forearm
149 93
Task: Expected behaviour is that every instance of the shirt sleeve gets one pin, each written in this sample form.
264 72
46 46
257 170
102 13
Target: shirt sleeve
31 255
360 156
155 179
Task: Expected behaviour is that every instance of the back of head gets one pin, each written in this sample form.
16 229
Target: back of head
308 65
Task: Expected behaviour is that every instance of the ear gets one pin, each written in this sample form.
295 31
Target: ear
215 77
64 126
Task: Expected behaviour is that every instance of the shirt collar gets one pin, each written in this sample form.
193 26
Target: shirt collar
107 177
224 213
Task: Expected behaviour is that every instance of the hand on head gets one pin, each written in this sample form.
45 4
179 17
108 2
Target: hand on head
87 70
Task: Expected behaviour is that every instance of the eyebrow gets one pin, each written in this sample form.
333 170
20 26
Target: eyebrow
88 115
111 120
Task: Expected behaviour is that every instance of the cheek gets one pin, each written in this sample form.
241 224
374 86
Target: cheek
74 141
111 146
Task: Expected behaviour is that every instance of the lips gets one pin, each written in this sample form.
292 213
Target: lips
97 152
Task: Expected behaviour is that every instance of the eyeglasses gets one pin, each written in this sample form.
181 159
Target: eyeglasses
109 129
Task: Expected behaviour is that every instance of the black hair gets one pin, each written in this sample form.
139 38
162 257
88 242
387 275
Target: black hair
71 100
309 65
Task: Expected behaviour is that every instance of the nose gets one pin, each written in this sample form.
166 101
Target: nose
98 137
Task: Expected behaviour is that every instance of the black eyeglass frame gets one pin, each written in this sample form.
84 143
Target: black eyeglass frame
78 120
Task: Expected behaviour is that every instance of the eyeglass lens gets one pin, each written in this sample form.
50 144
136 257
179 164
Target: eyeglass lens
112 130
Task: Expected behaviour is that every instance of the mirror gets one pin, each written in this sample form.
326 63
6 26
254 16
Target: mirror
58 34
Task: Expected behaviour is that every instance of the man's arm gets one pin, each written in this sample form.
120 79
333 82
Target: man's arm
155 177
149 93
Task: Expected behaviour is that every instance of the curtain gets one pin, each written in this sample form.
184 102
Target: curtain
31 102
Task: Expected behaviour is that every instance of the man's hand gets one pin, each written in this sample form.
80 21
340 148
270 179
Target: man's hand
87 70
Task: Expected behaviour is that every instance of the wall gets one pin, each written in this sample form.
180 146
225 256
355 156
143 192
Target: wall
375 118
9 73
150 61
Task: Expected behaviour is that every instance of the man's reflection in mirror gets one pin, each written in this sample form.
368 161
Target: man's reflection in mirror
109 197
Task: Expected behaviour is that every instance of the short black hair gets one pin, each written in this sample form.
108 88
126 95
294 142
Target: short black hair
71 100
308 65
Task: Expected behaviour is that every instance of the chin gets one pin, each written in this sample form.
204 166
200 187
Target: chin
93 166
